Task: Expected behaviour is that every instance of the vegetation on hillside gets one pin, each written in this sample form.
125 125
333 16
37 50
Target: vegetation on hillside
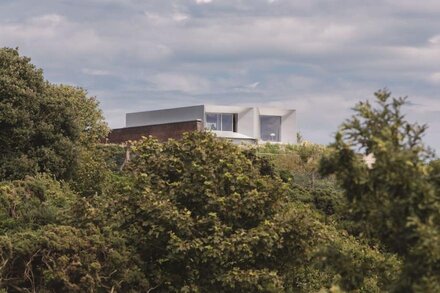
203 215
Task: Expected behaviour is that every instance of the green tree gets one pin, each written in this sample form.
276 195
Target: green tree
43 247
382 165
44 127
194 215
201 215
205 215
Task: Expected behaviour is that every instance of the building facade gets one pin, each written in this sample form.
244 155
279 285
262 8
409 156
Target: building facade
239 124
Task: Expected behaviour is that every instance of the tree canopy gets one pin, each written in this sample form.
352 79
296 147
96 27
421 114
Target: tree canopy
44 127
205 215
393 201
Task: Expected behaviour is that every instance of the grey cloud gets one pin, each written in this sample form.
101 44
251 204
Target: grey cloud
319 57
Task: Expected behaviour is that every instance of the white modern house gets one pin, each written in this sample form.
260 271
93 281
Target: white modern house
239 124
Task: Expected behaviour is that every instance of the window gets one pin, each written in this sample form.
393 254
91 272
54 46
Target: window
227 122
270 127
220 121
213 121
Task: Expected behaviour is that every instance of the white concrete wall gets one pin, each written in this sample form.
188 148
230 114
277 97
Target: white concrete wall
246 122
165 116
289 128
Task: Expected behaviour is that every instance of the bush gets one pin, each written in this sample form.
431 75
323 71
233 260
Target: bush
45 127
204 215
42 250
298 162
383 167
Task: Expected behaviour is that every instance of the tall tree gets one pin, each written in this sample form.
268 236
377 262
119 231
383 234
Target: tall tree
382 165
44 127
205 215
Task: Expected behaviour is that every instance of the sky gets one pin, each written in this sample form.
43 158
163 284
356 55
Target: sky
318 57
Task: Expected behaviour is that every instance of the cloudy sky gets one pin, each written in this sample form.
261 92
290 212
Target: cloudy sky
319 57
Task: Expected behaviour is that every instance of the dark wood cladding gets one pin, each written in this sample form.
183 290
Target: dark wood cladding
160 131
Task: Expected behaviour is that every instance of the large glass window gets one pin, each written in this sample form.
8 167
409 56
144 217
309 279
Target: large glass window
227 122
270 128
220 121
213 121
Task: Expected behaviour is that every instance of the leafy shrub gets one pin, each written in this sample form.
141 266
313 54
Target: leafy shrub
204 215
44 127
393 199
298 162
41 250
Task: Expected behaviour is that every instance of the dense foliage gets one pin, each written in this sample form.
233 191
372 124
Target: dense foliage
193 215
207 216
42 247
203 215
44 127
383 167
